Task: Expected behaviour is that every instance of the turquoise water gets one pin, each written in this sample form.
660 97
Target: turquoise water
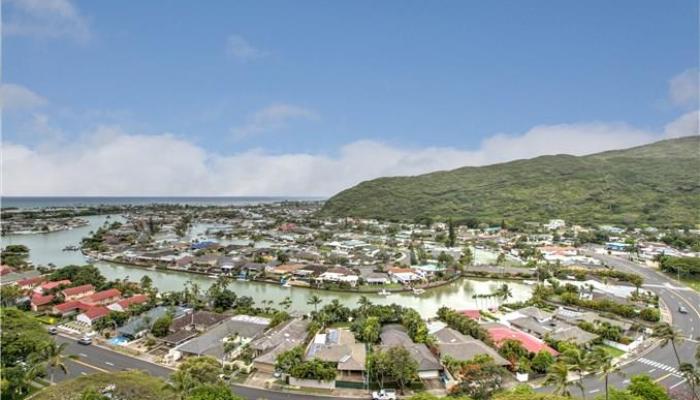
118 341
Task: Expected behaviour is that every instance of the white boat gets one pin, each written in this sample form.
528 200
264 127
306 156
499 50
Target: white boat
418 291
287 284
383 292
213 276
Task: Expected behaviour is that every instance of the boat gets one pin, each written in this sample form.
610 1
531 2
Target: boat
213 276
287 284
71 248
383 292
418 291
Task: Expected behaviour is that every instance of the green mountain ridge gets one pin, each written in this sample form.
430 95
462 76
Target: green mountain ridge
656 184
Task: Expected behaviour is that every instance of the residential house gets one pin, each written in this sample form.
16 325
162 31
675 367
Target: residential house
281 270
77 292
68 308
139 325
280 339
472 314
197 320
404 275
429 367
124 304
238 330
41 302
341 275
500 333
453 344
102 298
338 346
47 287
29 283
92 314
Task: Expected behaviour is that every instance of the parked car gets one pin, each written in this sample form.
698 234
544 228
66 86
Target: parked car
85 340
384 394
53 330
682 310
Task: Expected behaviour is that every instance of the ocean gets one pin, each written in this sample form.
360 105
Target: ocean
59 201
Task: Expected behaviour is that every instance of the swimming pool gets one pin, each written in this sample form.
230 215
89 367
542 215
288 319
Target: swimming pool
119 341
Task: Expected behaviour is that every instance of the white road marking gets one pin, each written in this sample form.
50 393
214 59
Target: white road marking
658 365
594 391
109 363
83 373
82 355
677 384
652 370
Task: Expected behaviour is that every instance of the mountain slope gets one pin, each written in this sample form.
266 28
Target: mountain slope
658 184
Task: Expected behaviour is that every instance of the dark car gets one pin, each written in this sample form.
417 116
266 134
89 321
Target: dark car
53 330
682 310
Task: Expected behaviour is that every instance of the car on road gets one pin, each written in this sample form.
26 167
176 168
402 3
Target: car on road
53 330
384 394
86 340
682 310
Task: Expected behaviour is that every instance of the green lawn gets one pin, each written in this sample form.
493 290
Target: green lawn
612 351
693 282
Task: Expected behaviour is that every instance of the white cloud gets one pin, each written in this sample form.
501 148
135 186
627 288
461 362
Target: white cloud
45 19
686 125
16 97
684 87
272 118
239 48
114 162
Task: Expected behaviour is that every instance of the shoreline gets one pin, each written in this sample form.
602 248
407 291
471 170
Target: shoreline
379 288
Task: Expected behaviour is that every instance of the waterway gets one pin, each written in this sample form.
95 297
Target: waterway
47 248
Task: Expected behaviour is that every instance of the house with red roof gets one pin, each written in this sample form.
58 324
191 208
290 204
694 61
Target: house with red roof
49 286
30 283
472 314
499 333
101 298
124 304
77 292
69 307
40 302
92 315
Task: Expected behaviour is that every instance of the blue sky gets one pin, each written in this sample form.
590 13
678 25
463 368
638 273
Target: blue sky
321 79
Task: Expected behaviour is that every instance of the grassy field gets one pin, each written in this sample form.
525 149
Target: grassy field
612 351
693 282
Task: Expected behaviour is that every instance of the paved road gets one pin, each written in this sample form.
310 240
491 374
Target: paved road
659 363
92 359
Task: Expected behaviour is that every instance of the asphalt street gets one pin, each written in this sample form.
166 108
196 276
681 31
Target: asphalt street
660 363
91 359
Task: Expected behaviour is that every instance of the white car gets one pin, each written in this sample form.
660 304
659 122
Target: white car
384 394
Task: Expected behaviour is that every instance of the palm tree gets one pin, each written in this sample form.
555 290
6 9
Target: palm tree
364 302
558 377
692 375
668 334
314 301
505 292
606 367
52 354
576 361
286 303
